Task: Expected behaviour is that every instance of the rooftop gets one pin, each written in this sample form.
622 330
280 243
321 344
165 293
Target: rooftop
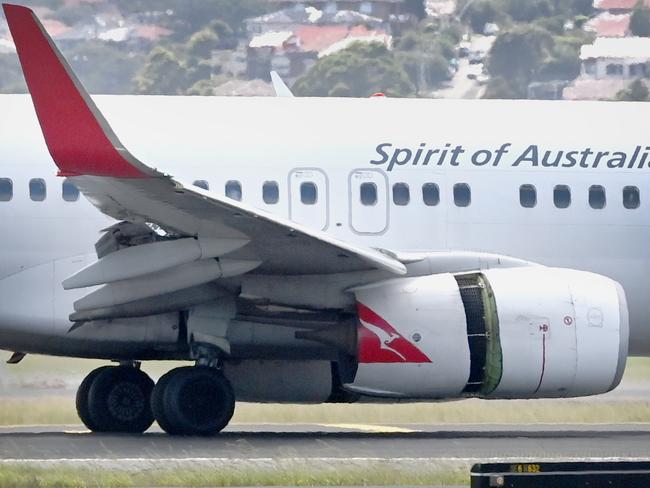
609 25
326 40
617 47
270 39
616 4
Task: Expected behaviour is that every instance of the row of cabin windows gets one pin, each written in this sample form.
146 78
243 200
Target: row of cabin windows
368 193
462 194
527 195
37 190
597 197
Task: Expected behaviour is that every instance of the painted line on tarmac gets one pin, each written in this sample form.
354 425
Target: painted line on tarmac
370 428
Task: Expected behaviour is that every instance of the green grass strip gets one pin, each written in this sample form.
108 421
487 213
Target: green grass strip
373 473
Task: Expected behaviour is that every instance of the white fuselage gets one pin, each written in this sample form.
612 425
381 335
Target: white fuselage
338 145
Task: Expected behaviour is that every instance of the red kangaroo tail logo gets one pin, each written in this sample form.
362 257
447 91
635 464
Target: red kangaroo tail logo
379 342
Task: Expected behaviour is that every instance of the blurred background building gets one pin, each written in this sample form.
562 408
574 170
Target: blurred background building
551 49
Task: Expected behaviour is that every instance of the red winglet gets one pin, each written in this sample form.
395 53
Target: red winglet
79 139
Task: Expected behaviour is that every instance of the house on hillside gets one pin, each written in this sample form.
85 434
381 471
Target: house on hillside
613 18
608 66
291 53
622 58
291 40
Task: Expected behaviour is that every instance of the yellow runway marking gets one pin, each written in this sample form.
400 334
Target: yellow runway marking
374 429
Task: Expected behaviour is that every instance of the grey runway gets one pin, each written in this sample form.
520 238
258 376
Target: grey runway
342 441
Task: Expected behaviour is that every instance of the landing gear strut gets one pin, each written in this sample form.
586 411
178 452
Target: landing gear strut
195 400
115 399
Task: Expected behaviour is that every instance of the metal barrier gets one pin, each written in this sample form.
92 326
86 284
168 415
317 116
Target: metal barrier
562 475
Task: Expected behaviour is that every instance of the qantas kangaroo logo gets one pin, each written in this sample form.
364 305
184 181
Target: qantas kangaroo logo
379 342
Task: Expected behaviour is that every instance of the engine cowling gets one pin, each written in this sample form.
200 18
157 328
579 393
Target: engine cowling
527 332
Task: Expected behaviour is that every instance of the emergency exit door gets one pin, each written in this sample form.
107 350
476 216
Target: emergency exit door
368 201
308 198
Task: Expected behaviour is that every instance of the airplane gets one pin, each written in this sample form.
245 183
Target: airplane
306 250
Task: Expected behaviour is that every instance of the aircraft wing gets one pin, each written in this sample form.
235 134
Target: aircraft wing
87 151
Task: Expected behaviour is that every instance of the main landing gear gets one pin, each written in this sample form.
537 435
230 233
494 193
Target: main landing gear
195 400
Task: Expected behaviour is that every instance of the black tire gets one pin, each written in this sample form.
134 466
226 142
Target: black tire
158 402
119 400
196 401
81 400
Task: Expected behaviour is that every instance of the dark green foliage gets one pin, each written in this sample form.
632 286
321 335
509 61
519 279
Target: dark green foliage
415 7
528 53
480 13
519 52
528 10
636 92
201 88
162 74
501 88
202 43
640 20
554 25
506 12
358 71
426 53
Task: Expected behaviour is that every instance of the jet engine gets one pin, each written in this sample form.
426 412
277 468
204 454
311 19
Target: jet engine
528 332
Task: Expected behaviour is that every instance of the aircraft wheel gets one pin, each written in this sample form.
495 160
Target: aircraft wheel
119 400
81 400
193 401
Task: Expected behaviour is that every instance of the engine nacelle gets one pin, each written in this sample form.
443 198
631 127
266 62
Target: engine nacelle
505 333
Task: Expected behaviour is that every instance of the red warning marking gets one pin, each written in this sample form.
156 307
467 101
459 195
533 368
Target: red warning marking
568 320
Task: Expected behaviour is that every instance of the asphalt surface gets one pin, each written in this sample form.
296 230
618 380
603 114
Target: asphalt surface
342 441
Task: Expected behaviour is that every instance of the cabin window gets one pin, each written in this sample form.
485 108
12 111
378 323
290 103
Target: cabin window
270 192
528 196
308 193
401 194
201 184
37 189
430 194
368 194
6 189
233 190
562 196
631 197
69 192
597 197
462 195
